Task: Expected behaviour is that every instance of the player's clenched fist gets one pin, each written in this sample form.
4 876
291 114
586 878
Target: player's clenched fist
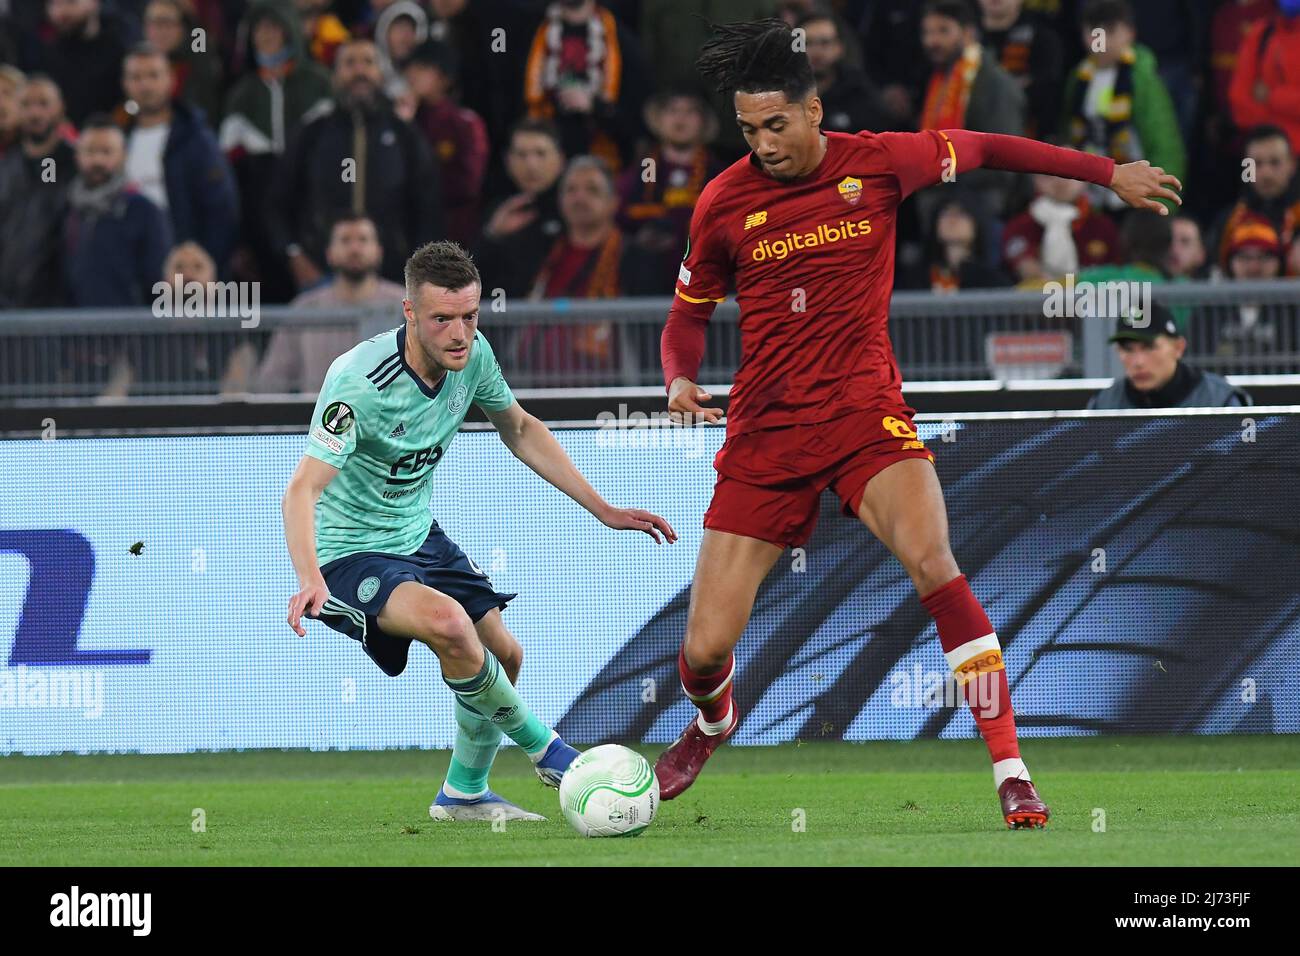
684 398
307 601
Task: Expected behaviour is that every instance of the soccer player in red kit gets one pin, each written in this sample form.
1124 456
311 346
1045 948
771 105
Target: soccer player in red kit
803 229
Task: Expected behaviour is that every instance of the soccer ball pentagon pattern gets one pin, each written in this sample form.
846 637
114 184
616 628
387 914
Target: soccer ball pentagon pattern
609 791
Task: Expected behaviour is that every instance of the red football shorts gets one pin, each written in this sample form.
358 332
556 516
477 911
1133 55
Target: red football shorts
770 481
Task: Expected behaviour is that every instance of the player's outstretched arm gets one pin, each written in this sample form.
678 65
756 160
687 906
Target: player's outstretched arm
531 442
922 159
299 509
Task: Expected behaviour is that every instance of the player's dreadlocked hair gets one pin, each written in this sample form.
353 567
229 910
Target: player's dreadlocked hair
756 57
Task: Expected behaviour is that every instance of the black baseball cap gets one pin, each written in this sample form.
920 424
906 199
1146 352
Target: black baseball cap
1135 326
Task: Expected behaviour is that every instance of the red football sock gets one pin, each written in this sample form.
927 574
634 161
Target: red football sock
975 657
711 693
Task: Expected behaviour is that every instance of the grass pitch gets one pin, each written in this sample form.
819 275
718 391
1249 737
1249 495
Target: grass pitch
1191 801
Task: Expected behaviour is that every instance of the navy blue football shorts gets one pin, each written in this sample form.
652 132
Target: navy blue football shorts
360 584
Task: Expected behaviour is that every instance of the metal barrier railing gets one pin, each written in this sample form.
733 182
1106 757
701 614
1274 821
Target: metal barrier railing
1233 327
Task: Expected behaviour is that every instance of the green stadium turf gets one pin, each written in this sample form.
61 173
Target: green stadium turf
1202 801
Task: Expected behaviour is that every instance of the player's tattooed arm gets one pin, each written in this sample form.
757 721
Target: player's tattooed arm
531 442
299 509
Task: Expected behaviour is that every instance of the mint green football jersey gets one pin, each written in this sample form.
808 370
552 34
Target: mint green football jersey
386 430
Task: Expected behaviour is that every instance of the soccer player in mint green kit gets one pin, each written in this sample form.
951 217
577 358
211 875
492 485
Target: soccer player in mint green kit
371 561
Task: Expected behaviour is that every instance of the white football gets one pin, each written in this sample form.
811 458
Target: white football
609 791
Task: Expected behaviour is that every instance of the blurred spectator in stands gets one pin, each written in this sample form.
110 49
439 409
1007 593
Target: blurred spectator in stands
1058 233
14 34
1145 244
282 88
967 90
114 238
457 136
1270 189
399 30
955 254
590 260
1186 250
671 34
359 157
11 85
656 201
1151 349
1030 51
585 73
490 84
34 180
850 100
81 48
1145 239
173 158
323 32
223 356
1219 152
298 357
894 58
196 75
1232 22
1116 105
1266 82
521 229
1254 253
1174 32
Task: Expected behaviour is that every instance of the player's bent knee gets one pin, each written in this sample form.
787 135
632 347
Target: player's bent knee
933 570
446 628
704 656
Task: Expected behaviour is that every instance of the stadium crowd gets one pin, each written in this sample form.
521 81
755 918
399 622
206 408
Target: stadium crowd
310 145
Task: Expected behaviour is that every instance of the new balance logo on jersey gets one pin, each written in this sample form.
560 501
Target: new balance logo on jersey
399 431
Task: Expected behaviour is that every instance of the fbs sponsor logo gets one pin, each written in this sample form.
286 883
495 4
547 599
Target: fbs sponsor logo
74 908
412 463
985 662
824 235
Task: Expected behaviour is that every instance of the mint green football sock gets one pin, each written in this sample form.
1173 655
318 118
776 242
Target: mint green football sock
490 693
477 742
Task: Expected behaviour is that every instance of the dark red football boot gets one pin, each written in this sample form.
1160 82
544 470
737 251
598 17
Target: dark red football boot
679 765
1021 806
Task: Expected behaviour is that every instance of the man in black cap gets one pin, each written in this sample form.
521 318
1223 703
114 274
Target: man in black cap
1151 348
